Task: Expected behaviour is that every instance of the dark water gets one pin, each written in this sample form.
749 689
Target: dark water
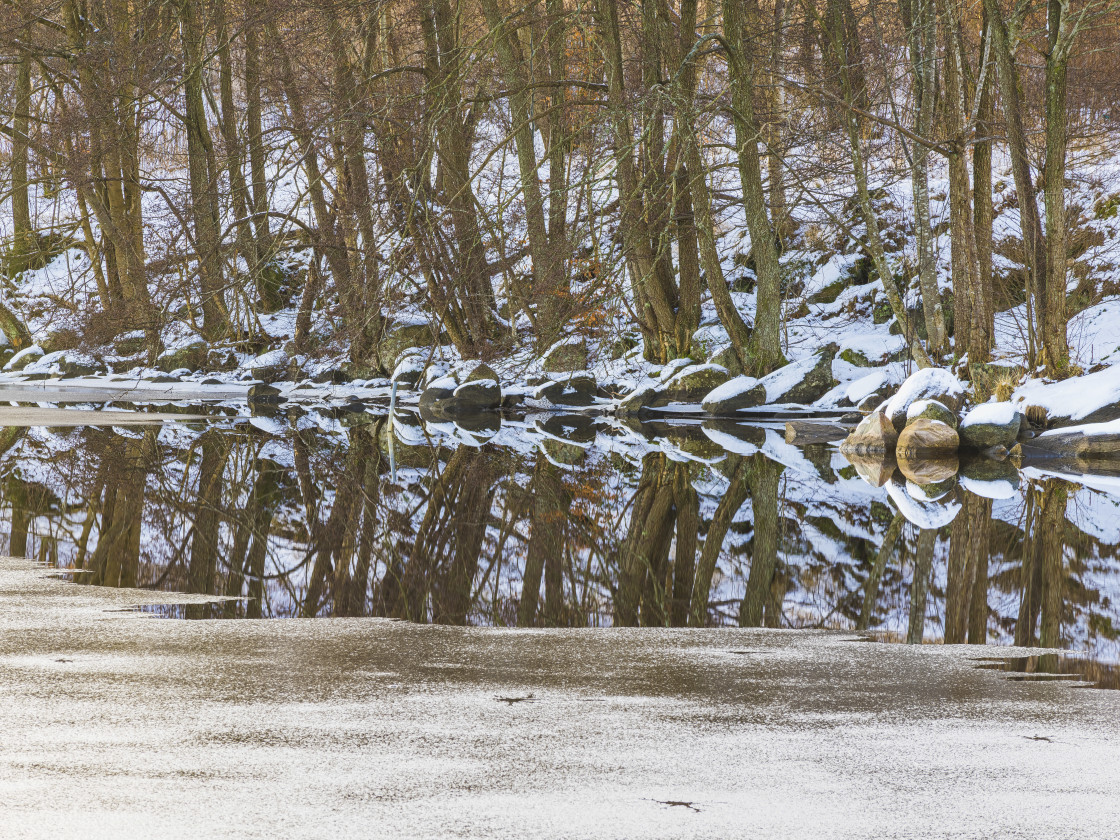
571 522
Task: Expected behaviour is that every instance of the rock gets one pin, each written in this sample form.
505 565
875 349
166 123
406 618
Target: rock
638 401
802 382
193 355
924 438
479 395
694 383
437 391
480 373
210 380
991 424
24 357
930 410
871 402
221 360
270 367
875 435
409 370
569 354
734 394
405 335
130 343
265 394
579 389
928 384
623 345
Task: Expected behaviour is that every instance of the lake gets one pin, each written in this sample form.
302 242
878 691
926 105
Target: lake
568 521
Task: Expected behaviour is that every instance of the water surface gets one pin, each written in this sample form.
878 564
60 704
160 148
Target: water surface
551 521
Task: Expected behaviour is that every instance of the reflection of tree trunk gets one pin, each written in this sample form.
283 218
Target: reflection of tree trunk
764 481
206 529
688 530
645 550
871 590
330 540
116 560
551 503
1052 520
919 587
1030 581
251 540
966 595
737 491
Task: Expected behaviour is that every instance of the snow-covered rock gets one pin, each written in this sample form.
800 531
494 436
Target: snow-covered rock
875 435
270 367
930 410
927 384
694 382
991 424
565 355
734 394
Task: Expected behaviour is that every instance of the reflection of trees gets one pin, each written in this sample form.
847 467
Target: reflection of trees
310 522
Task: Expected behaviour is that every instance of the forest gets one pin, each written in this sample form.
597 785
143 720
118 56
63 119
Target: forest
331 185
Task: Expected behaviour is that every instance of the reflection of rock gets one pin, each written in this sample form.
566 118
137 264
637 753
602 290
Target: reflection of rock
928 384
925 514
563 453
264 394
874 435
875 469
991 424
578 428
927 438
991 479
923 471
740 438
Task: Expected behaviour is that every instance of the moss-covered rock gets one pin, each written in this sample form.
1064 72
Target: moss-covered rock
193 356
930 410
564 356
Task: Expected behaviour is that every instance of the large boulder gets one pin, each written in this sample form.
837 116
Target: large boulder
193 355
24 357
270 367
927 384
734 394
569 354
875 435
579 389
477 395
404 335
930 410
637 401
409 369
694 383
926 438
802 382
991 424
